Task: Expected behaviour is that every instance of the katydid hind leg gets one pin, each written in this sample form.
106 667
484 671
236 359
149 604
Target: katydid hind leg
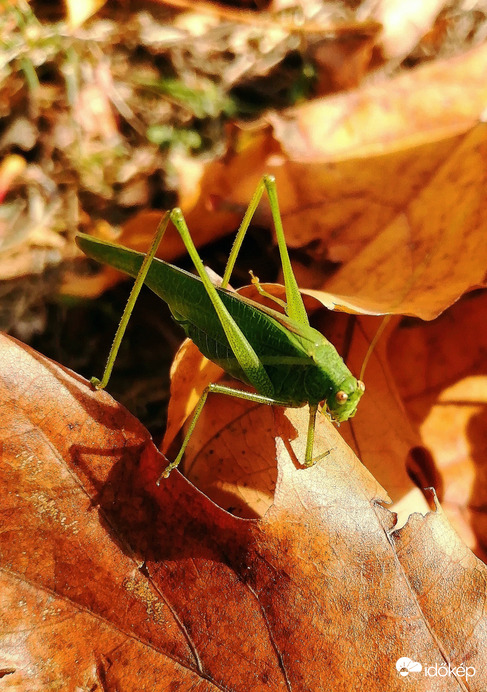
243 351
295 306
134 294
244 226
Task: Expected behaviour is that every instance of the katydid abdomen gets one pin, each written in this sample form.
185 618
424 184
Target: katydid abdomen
303 368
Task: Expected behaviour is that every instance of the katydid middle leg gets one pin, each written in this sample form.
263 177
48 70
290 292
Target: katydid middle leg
215 389
247 396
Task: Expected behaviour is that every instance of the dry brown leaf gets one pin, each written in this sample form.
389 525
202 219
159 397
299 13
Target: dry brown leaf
80 10
388 180
405 23
108 581
343 63
441 372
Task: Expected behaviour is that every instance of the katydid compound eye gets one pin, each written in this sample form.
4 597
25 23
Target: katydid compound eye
361 385
341 397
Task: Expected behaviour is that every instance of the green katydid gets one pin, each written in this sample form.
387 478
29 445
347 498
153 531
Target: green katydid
282 357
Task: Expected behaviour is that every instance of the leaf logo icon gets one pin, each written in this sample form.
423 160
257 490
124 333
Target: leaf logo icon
405 666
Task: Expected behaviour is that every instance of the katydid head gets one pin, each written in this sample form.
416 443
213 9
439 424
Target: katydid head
343 401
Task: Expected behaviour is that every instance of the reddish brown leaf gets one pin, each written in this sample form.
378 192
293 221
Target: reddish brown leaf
111 582
441 375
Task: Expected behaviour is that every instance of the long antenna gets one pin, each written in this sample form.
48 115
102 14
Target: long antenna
373 344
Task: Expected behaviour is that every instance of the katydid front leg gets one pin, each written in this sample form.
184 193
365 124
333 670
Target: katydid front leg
262 292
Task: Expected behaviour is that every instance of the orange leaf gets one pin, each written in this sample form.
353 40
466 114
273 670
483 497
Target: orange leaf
440 371
388 180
